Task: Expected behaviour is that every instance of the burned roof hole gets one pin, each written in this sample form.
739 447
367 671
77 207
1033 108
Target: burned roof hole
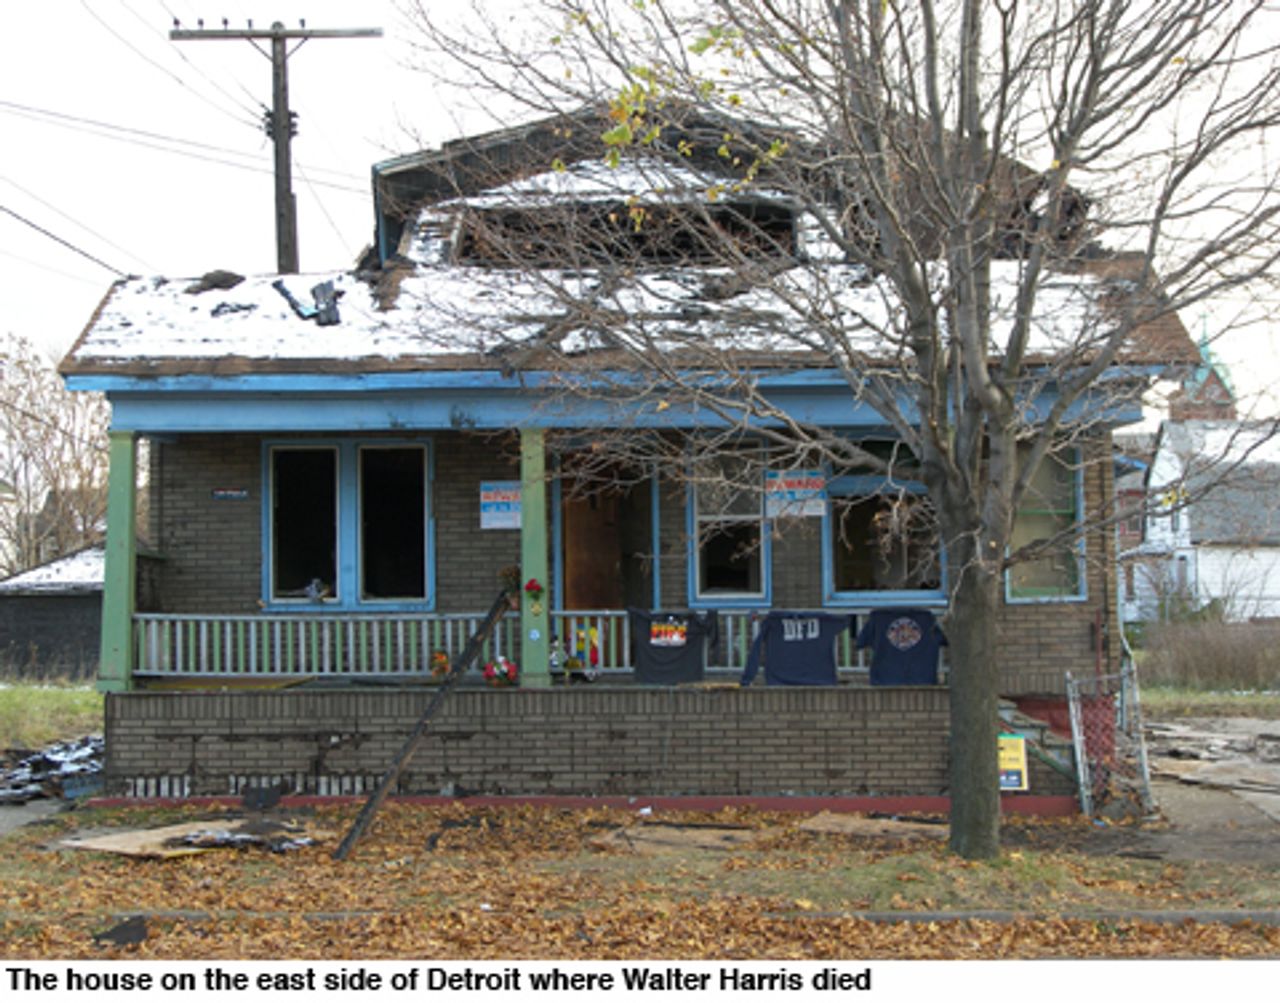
612 233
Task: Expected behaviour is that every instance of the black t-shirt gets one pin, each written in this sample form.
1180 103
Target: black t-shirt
671 647
904 647
798 649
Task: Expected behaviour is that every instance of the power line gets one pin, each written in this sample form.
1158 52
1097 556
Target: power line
319 203
65 243
163 69
280 121
183 56
71 219
109 133
70 276
69 121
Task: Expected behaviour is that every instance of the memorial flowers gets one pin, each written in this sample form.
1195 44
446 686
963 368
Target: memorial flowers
501 672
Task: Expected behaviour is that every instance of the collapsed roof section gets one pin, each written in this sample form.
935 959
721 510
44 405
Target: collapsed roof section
628 259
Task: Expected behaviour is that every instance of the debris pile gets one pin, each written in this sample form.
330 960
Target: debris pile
185 838
67 769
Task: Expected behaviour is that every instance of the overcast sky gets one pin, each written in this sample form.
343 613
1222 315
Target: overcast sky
150 156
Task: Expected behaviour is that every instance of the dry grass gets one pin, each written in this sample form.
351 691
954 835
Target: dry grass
32 716
1217 657
453 882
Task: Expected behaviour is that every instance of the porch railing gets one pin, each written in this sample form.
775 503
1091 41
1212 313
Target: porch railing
274 645
279 645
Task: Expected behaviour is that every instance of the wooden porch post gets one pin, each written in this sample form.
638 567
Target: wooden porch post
115 664
534 618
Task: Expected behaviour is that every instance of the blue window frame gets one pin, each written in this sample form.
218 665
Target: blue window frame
729 552
1052 505
347 525
880 544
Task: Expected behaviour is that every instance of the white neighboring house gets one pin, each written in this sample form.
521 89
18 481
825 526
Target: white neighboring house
1212 535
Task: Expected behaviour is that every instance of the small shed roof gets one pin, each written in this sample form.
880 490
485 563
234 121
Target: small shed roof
71 575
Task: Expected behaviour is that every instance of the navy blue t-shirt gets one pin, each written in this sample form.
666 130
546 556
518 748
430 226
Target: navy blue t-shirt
904 647
671 647
798 649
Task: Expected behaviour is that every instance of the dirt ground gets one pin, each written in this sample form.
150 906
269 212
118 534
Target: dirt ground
1216 783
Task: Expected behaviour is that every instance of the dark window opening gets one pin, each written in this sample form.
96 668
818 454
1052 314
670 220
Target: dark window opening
393 523
304 519
598 234
885 543
729 559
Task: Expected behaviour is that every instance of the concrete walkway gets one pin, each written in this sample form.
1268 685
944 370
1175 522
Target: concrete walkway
14 816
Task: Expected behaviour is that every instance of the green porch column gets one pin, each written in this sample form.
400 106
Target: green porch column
120 574
535 621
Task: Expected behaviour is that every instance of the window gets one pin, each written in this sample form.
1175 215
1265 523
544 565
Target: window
393 532
1051 506
304 523
730 545
348 524
880 542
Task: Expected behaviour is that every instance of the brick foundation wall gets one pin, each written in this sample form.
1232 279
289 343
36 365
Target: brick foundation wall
576 741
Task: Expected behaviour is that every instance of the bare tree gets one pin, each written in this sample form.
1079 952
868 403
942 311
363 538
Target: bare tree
994 199
53 462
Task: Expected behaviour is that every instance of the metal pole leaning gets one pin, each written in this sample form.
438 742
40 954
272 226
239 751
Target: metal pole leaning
401 760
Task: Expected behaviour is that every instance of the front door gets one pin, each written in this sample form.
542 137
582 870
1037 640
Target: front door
593 573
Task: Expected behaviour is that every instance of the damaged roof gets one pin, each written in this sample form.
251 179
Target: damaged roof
442 316
430 308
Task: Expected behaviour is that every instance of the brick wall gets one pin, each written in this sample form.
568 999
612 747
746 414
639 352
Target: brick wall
575 741
467 558
1039 642
211 549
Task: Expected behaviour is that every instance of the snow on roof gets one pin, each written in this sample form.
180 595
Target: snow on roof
458 316
158 318
595 180
79 572
1222 442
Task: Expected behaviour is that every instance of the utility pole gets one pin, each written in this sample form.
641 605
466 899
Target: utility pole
280 120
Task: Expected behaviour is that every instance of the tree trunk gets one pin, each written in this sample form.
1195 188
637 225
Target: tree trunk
974 680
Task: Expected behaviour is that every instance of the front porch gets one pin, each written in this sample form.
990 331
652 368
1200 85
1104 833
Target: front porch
269 648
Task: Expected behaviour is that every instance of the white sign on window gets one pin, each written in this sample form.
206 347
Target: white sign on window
794 493
499 504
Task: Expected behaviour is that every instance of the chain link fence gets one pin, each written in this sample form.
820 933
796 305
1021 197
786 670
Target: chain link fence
1106 730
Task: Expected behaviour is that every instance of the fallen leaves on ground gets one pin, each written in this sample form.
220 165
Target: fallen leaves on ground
459 882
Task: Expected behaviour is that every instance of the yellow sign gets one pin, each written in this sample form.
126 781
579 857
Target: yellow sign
1012 759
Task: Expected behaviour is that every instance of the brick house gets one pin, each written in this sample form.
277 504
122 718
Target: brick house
340 465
